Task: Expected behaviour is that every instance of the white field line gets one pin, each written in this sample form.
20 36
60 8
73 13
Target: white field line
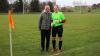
74 49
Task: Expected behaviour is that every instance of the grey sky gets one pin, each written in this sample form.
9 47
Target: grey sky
69 2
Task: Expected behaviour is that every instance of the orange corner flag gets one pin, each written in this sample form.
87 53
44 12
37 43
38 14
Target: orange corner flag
11 23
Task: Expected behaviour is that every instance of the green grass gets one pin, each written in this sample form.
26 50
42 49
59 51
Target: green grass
81 35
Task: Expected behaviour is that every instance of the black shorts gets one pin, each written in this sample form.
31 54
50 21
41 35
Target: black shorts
57 30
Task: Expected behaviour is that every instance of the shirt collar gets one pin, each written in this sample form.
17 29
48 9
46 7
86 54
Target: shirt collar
45 11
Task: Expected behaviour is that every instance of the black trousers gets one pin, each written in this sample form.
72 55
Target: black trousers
45 35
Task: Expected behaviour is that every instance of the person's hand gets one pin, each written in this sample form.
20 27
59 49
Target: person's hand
39 28
55 21
52 24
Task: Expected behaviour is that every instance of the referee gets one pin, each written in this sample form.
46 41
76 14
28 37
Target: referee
58 19
45 27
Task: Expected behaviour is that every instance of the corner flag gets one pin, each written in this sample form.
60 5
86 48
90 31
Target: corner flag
11 23
11 26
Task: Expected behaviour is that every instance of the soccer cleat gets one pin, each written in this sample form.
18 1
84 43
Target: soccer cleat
47 50
54 50
59 50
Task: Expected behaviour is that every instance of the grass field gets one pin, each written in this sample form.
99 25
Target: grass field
81 35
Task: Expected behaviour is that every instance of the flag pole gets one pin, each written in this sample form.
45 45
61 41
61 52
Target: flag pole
10 37
10 33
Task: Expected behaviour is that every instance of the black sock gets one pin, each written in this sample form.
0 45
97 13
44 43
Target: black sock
60 45
54 44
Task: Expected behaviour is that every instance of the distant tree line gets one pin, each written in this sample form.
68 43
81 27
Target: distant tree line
35 6
17 6
95 6
4 5
83 8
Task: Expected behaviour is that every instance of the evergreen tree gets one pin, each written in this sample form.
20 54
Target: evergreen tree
35 6
4 5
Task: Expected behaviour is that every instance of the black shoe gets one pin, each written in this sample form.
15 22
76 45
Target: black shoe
47 50
42 50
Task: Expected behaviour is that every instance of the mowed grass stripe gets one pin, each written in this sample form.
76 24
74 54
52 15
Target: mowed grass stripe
81 30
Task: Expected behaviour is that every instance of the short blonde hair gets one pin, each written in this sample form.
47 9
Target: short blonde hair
47 6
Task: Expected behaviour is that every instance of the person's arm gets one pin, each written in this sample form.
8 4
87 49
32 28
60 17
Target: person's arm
51 17
40 22
62 18
52 22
